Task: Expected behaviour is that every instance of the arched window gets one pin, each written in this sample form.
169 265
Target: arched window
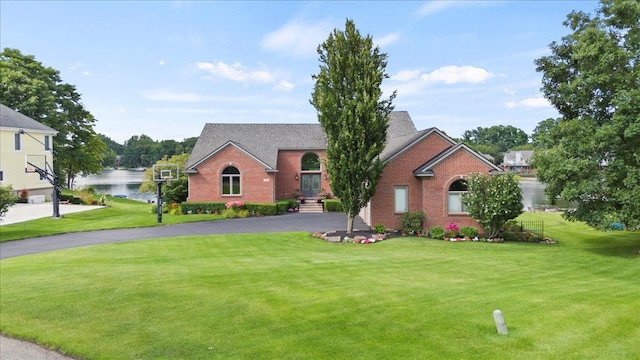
231 181
456 189
310 162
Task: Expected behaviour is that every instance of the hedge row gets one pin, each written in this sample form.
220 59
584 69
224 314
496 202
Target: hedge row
281 207
332 205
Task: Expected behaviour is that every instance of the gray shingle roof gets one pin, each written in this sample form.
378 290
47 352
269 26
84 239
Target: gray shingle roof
262 141
10 118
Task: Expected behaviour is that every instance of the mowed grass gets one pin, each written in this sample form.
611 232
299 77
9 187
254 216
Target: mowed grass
120 214
290 296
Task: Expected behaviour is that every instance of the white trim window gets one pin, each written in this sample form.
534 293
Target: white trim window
455 204
400 199
231 181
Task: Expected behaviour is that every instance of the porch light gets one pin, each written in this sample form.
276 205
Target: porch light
296 176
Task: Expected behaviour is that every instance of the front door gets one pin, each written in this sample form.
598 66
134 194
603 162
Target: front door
310 185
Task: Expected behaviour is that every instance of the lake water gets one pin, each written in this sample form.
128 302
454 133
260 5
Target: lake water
127 182
116 182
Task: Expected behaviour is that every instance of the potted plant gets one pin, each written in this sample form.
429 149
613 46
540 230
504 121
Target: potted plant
23 198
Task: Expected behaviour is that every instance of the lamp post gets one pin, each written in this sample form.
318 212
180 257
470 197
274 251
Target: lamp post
50 175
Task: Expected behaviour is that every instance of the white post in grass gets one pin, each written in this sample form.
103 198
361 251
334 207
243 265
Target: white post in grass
500 325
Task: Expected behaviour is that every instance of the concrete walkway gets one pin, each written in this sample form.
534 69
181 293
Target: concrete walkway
13 349
25 212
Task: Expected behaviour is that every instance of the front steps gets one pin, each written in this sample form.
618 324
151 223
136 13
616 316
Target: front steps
311 206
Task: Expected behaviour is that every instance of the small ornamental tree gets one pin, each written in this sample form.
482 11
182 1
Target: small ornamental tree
492 200
7 198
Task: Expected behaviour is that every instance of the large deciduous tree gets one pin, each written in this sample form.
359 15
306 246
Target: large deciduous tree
492 200
38 92
501 136
593 78
348 100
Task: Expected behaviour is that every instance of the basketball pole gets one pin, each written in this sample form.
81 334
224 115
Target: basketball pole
159 202
55 195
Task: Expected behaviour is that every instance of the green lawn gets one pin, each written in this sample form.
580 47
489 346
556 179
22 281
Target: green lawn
290 296
121 213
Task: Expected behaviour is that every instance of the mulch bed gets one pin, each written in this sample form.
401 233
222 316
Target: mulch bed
365 233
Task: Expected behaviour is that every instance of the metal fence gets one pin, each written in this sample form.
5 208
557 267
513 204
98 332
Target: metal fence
533 226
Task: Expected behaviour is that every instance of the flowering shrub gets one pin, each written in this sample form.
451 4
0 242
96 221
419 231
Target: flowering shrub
234 204
452 230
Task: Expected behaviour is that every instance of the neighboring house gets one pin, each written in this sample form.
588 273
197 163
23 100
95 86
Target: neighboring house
268 162
20 135
518 162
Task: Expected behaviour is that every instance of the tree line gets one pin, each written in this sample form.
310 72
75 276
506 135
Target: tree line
142 151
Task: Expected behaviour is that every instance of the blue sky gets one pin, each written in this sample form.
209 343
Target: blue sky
165 68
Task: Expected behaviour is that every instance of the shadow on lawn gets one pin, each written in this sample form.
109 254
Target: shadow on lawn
627 247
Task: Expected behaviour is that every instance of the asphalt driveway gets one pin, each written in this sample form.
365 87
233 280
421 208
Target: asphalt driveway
290 222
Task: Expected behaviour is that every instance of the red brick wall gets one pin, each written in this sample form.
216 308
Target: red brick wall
289 164
256 184
400 172
429 194
435 189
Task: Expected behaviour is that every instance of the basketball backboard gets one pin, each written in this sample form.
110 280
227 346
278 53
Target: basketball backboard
165 172
33 163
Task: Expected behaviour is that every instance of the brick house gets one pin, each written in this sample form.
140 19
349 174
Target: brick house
268 162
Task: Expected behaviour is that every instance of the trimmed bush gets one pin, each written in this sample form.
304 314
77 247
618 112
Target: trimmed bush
261 209
411 222
266 209
380 228
469 231
202 207
332 205
437 232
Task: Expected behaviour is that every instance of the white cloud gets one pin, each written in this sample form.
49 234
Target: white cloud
387 39
162 62
284 85
235 72
436 6
433 7
529 103
86 73
406 75
297 37
458 74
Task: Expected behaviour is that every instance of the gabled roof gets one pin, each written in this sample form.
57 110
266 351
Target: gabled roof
263 141
426 169
260 141
398 145
10 118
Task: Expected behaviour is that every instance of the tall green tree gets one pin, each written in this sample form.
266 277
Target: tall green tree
502 137
492 200
593 78
347 98
38 92
544 135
